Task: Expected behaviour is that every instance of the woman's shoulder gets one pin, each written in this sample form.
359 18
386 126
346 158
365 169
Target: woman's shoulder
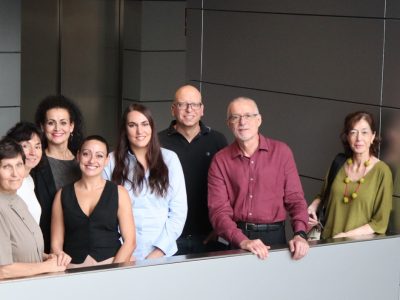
383 170
111 158
169 155
382 166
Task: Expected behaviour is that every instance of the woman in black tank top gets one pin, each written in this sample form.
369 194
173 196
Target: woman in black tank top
87 214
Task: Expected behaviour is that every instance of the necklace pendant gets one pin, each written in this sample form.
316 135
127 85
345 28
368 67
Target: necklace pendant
346 199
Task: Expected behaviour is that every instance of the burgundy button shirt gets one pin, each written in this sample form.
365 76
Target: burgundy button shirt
258 189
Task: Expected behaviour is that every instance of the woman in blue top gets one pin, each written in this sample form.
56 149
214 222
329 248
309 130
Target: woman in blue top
154 179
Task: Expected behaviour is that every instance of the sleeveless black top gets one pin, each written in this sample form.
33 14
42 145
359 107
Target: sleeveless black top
96 235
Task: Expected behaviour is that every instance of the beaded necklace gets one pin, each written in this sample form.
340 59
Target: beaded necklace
347 180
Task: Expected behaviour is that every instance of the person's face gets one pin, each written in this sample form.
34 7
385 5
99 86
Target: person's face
360 138
244 120
92 157
32 150
58 126
138 130
12 172
187 107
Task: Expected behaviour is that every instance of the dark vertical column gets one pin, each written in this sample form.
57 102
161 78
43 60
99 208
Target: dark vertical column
154 54
90 61
40 60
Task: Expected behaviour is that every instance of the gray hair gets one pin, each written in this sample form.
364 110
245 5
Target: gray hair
240 99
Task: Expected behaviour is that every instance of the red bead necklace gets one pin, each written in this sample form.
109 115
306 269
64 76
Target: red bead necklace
347 180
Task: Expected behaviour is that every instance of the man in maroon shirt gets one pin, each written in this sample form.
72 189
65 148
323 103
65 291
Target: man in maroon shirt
251 185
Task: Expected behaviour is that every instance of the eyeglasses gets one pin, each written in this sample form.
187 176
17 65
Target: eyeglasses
236 118
186 105
355 132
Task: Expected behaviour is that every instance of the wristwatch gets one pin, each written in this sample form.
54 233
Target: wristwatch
302 234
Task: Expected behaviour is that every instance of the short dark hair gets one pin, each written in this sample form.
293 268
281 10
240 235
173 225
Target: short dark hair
95 137
23 131
349 122
60 101
9 148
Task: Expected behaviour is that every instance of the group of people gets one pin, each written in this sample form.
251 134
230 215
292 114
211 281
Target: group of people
66 201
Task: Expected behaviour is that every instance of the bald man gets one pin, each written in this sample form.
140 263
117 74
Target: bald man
195 144
252 184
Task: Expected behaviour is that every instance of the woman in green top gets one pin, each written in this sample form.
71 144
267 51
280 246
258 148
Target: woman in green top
360 199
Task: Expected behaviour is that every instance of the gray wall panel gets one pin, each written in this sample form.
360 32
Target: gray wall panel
394 224
10 79
317 56
8 117
90 72
391 87
10 26
194 3
10 63
301 122
156 63
391 143
364 8
132 76
311 187
161 74
193 54
393 9
151 25
132 24
39 68
163 25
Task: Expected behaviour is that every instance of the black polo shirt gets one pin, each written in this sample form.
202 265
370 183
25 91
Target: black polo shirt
195 158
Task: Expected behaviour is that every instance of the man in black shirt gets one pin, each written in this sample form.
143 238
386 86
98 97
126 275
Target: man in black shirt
195 144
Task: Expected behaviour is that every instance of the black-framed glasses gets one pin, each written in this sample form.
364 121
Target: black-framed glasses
186 105
236 118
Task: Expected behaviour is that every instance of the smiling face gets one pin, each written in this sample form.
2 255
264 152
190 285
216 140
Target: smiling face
138 130
187 107
58 126
360 137
12 172
33 151
92 157
244 119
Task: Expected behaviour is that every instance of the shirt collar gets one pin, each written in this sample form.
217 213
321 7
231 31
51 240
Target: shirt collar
131 155
203 128
262 146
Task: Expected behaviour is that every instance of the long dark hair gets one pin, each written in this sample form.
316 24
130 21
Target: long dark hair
158 177
75 115
349 122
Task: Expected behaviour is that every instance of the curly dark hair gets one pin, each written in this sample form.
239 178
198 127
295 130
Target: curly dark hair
349 122
60 101
158 178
